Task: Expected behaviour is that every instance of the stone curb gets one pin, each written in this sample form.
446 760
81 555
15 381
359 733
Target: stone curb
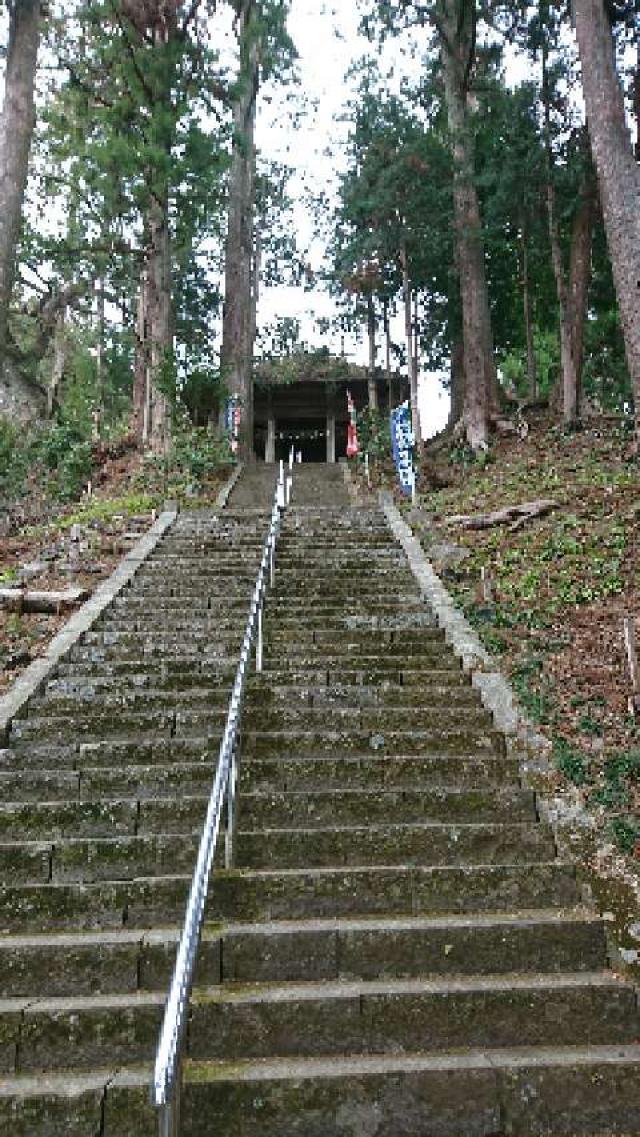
80 622
570 822
497 694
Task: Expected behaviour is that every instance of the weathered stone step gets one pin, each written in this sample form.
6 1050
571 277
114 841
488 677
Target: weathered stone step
265 695
358 660
394 844
359 807
106 962
371 639
268 744
156 649
114 817
90 859
550 1092
389 1016
136 673
406 676
115 754
111 780
363 717
93 721
368 773
289 895
118 962
106 701
314 1019
417 890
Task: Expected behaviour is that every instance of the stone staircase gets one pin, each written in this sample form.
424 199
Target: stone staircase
398 952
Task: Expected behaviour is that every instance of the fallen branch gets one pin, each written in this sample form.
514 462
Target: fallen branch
23 600
513 515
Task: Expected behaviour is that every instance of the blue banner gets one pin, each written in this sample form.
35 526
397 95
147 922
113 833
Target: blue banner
402 443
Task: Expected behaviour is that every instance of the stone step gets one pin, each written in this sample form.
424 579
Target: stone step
138 699
132 673
267 695
323 1019
393 844
546 1092
273 676
367 717
289 895
342 774
364 662
92 784
411 641
359 807
267 744
39 821
93 721
124 857
122 961
564 1092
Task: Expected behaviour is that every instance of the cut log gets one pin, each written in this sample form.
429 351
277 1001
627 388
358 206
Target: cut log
23 600
513 515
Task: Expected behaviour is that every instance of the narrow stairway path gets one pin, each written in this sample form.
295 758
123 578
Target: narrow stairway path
398 951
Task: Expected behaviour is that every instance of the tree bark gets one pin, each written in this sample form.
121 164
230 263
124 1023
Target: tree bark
580 274
567 363
59 363
532 368
159 323
457 39
236 354
618 172
371 333
387 351
408 328
457 382
16 131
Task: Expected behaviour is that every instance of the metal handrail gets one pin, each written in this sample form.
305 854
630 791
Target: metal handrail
167 1076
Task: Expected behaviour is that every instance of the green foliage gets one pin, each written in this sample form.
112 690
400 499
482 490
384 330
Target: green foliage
533 690
374 434
196 454
625 832
571 762
13 459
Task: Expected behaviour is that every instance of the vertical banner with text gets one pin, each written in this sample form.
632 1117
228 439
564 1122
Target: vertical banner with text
402 443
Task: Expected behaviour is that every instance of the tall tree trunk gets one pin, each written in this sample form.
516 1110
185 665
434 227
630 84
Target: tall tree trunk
99 404
237 345
457 38
59 362
16 130
387 351
567 363
141 365
408 329
371 334
159 323
580 273
569 375
457 382
618 172
532 369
